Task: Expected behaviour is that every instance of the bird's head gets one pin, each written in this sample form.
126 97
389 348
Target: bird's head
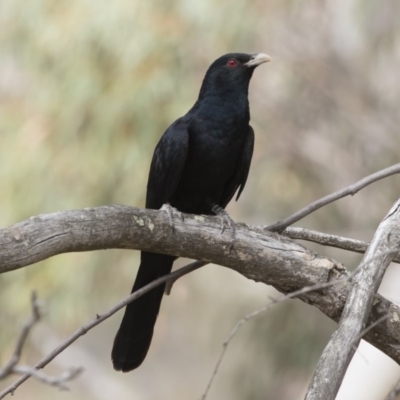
231 72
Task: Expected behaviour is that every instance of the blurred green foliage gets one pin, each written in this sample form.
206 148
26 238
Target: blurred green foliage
87 88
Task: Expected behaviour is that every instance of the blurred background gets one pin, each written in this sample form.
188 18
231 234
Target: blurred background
87 88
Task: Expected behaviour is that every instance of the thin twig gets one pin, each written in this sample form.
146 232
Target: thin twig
281 299
12 366
57 381
356 341
369 327
326 239
100 318
16 356
170 282
349 190
256 313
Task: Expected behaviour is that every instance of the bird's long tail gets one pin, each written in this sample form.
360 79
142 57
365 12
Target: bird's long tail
135 333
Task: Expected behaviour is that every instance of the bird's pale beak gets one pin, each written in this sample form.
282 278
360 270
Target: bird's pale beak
257 59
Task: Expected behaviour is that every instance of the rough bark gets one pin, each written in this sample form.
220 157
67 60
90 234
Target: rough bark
257 254
337 355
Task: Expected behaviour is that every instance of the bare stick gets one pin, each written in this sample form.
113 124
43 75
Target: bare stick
338 353
250 316
12 366
369 327
194 265
16 356
281 299
57 381
326 239
100 318
349 190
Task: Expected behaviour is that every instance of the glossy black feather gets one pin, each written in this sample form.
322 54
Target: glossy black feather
167 165
202 159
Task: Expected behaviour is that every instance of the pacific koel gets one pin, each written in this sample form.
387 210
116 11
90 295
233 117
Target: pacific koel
200 162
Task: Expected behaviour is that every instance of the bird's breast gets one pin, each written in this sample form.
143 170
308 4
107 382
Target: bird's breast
213 156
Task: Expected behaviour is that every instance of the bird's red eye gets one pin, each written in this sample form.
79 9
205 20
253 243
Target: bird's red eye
232 63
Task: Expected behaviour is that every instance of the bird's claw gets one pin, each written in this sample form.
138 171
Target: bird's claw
170 212
225 220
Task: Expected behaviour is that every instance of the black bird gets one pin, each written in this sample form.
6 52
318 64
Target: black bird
202 159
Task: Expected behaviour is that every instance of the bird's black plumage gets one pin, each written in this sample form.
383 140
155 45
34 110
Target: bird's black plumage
202 159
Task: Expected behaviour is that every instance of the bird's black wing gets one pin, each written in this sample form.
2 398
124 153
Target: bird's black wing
238 180
134 335
167 165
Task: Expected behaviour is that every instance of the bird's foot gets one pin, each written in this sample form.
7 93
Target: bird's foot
170 212
225 219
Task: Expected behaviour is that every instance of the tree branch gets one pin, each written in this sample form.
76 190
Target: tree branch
349 190
60 381
292 295
337 355
23 336
326 239
257 254
12 366
257 313
57 381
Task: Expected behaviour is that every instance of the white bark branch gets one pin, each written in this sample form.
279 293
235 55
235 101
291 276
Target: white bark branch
338 353
257 313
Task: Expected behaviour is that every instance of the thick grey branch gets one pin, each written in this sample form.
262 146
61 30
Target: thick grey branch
338 353
256 253
259 255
